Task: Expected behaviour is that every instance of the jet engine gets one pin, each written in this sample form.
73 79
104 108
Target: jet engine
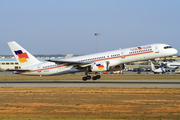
117 67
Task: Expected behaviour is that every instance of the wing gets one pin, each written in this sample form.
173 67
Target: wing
68 63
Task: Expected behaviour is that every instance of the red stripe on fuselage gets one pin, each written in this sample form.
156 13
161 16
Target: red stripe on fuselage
43 69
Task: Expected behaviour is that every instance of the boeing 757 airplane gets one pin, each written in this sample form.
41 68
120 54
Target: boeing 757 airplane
105 61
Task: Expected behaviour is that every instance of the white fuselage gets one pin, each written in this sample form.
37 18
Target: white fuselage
173 64
112 57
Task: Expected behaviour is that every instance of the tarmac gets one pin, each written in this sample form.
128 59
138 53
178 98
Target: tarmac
95 84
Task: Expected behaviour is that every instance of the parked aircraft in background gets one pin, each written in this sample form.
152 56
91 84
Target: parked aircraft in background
158 69
68 56
105 61
174 65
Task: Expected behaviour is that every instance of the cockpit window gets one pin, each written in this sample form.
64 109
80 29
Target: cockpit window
166 47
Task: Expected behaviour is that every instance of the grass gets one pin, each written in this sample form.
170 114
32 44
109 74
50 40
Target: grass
89 104
46 118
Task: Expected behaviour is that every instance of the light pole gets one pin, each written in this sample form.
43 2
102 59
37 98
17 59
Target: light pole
96 34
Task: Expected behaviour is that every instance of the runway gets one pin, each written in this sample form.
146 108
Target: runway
95 84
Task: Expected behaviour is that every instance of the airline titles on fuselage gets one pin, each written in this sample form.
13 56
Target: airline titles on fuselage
132 51
140 49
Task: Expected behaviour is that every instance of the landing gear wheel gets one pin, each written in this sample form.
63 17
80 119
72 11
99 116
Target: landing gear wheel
84 78
94 78
88 77
98 76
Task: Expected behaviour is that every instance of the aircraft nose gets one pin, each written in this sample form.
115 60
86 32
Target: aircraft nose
174 51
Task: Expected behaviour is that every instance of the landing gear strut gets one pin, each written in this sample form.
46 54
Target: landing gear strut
88 77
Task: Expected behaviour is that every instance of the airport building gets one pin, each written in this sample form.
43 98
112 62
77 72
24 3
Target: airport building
11 63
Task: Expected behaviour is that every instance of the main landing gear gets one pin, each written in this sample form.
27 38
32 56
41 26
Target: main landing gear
96 77
88 77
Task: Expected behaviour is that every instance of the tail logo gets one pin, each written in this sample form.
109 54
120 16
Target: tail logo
22 56
100 67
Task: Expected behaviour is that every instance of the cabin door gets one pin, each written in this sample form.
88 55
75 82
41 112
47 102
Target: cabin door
156 49
39 71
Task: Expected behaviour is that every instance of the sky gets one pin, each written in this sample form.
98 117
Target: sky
68 26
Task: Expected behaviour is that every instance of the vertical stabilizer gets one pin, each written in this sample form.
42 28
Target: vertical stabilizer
152 66
23 57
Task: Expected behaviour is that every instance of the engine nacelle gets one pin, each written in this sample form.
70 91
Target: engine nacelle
117 67
101 66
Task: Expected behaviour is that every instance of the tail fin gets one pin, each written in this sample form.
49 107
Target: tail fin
68 56
152 66
23 57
